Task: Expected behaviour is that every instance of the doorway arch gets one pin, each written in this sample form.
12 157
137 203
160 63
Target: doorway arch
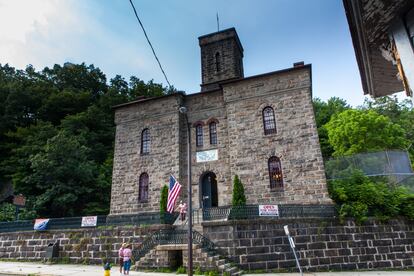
208 191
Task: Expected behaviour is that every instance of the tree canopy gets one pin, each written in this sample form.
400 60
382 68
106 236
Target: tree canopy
57 135
379 124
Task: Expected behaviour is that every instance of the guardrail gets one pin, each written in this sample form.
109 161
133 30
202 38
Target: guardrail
75 222
285 211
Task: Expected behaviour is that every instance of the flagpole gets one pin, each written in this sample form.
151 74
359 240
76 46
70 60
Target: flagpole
183 110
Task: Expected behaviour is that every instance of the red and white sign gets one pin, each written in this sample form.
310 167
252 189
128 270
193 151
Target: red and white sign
19 200
89 221
268 210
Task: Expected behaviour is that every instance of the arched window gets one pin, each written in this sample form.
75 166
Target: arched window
218 65
275 173
145 141
269 123
213 133
143 188
199 135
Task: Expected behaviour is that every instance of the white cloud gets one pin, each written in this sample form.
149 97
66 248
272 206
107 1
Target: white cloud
21 21
45 32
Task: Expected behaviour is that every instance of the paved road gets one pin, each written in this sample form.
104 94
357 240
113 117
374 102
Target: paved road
20 268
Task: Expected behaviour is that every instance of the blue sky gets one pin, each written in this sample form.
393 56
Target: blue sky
274 34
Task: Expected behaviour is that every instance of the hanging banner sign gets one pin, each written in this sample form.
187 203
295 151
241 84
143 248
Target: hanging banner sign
268 210
41 224
89 221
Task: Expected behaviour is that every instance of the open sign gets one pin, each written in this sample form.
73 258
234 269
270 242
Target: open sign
269 210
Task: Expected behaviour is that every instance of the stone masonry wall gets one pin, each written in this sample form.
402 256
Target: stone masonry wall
75 246
296 142
162 118
322 244
202 109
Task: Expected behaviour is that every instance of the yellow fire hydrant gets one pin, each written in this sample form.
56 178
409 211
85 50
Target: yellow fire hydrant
107 269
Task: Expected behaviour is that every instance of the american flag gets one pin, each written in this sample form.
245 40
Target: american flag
173 192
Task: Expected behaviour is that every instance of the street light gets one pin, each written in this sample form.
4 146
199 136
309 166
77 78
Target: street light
183 110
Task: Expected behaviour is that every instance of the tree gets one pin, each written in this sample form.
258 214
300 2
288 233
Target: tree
238 198
356 131
323 114
163 202
64 177
401 113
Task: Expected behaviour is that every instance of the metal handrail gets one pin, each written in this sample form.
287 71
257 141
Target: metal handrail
173 236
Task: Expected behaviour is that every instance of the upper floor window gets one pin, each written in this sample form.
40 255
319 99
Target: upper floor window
213 133
145 141
275 173
199 135
269 123
218 65
143 187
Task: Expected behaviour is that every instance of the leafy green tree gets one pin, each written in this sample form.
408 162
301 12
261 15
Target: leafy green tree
163 202
401 113
323 114
57 133
64 177
355 131
238 197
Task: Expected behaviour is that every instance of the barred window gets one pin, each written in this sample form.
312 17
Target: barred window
275 173
145 141
269 123
143 188
199 135
213 133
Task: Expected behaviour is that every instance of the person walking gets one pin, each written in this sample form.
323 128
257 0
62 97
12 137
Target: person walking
121 257
182 207
127 258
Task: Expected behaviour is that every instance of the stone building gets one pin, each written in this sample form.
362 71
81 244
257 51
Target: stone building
261 128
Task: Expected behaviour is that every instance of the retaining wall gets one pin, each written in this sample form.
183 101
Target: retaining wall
323 244
89 246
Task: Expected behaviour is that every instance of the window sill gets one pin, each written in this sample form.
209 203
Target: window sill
143 201
277 189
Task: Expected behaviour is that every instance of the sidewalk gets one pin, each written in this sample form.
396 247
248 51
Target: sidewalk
20 268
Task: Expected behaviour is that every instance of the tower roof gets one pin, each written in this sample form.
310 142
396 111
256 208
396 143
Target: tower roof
220 35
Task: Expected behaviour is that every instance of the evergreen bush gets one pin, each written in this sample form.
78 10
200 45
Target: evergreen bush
163 203
238 198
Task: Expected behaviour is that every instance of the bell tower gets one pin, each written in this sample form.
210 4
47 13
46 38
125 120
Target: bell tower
221 58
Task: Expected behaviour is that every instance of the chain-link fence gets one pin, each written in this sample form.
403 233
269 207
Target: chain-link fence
394 165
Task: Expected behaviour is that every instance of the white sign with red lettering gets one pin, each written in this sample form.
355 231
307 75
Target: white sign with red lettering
268 210
89 221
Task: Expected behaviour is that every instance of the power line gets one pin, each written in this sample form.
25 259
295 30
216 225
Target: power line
149 42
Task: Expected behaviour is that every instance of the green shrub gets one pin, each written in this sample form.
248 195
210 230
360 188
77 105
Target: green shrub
238 197
163 202
198 271
7 212
360 197
181 270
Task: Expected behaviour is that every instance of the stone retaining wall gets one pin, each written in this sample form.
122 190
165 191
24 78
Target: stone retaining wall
75 246
323 244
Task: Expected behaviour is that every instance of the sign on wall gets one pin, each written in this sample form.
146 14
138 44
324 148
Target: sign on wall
40 224
207 155
89 221
268 210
